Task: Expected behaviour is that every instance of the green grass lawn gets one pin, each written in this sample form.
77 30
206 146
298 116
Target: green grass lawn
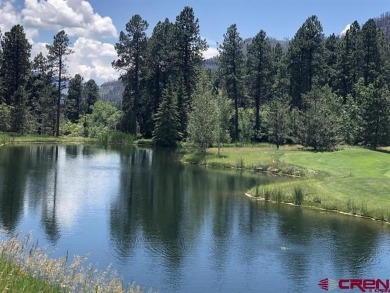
353 180
248 157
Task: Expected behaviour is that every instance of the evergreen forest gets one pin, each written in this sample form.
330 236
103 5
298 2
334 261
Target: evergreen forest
318 91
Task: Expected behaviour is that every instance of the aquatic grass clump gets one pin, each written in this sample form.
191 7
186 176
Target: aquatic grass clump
351 207
240 163
363 209
279 197
257 192
58 275
116 138
267 194
382 214
270 194
298 195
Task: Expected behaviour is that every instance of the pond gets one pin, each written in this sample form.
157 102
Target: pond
179 228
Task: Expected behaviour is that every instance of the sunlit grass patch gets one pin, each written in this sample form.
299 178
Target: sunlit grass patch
352 180
351 161
367 197
8 138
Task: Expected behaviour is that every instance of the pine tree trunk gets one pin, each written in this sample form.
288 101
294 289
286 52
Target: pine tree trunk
59 98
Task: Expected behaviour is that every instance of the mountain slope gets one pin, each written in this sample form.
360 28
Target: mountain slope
112 91
383 22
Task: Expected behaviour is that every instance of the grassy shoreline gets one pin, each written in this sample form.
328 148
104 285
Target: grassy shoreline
352 180
10 139
116 138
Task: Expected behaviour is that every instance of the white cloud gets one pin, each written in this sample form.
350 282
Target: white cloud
210 52
38 48
344 31
8 16
92 59
76 17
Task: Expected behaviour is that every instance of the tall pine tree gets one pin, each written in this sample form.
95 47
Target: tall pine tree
15 71
189 47
166 131
372 41
74 98
41 91
375 112
231 62
349 61
306 62
160 69
280 87
90 96
131 50
15 64
57 56
259 78
160 59
330 59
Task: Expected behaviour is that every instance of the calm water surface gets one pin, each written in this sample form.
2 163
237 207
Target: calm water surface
179 228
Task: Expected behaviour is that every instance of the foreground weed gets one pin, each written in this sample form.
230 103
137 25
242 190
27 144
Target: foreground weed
55 273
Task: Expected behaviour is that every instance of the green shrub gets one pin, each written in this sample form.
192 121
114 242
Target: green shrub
104 119
5 117
72 129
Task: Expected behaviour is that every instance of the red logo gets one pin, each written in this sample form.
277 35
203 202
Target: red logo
328 284
324 284
363 285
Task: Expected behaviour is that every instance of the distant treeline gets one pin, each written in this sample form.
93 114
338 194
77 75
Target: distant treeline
315 90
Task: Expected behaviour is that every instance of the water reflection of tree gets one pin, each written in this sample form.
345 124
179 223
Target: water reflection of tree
140 207
13 172
312 241
72 151
355 246
29 168
167 204
296 253
49 203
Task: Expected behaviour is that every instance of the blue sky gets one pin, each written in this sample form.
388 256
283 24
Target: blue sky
93 25
279 18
